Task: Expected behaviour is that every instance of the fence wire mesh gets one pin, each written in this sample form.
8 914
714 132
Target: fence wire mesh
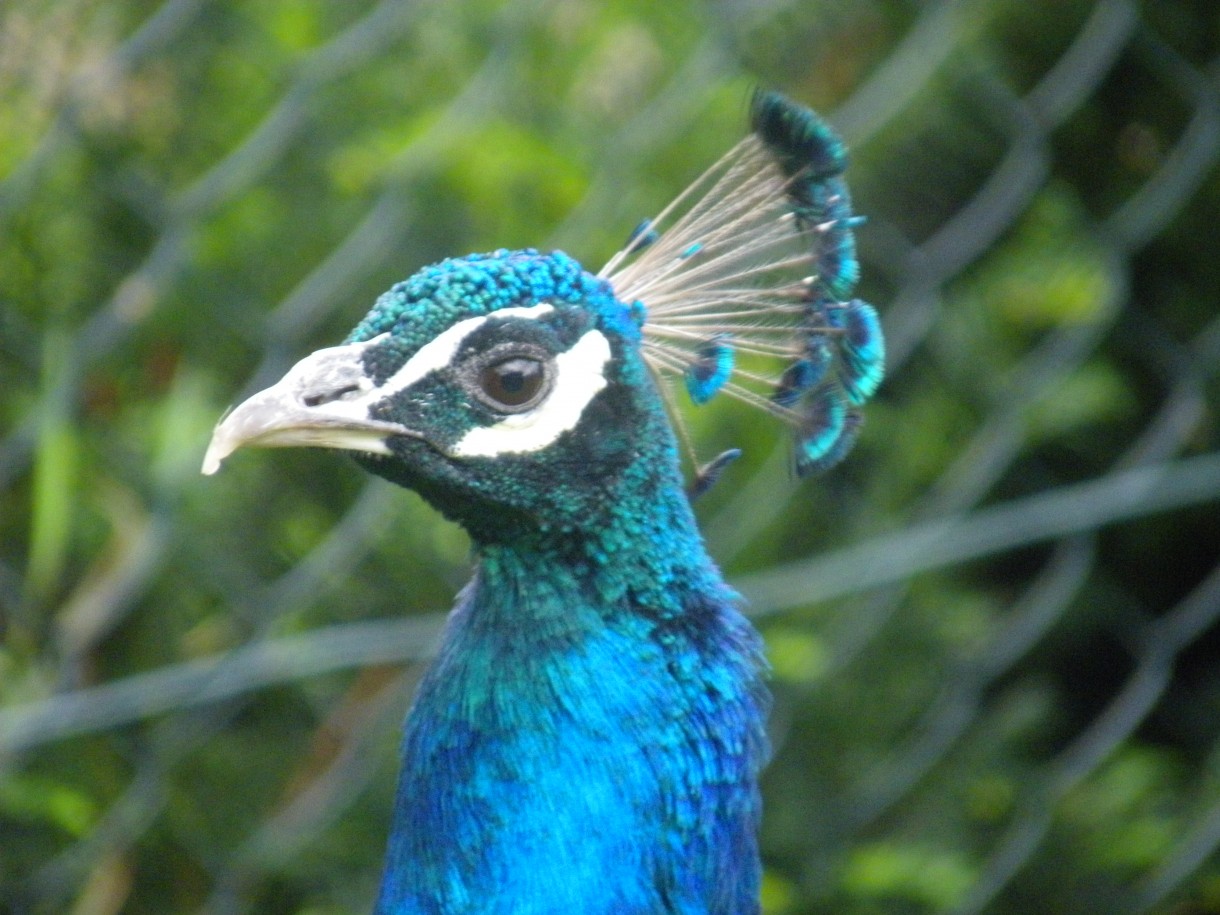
993 629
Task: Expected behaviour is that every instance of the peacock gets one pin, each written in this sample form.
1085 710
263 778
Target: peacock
590 734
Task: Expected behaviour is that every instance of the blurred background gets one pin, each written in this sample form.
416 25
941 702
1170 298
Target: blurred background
994 628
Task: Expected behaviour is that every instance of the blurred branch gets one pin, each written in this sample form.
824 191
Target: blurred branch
1061 512
215 679
1164 640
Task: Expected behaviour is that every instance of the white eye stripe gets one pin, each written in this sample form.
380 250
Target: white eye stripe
579 375
439 351
435 354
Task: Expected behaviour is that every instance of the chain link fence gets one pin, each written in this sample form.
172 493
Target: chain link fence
993 628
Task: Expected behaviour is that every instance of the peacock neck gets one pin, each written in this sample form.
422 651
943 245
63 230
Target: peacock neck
639 555
590 735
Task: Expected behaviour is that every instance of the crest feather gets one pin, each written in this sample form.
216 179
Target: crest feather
745 284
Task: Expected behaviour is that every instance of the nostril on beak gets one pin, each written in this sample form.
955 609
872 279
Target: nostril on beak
324 397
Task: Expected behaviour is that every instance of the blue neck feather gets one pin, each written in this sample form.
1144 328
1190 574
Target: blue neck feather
590 735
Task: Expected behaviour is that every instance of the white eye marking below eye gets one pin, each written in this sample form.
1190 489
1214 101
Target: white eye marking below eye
579 375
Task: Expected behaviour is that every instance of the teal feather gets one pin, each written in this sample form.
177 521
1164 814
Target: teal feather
711 369
806 146
863 351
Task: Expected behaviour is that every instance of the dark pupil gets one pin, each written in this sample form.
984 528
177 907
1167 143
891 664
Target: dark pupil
513 381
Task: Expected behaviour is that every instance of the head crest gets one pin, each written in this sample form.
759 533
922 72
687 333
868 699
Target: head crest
745 284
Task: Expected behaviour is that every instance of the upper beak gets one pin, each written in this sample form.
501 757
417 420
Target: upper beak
323 401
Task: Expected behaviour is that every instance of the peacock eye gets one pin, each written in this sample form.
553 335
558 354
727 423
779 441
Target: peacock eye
514 384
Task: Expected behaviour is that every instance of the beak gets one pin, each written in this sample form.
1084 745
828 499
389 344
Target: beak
322 402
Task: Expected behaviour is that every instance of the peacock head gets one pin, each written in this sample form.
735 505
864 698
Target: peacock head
507 388
515 390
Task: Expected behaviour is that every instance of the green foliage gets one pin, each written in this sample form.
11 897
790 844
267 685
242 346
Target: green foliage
192 196
908 875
